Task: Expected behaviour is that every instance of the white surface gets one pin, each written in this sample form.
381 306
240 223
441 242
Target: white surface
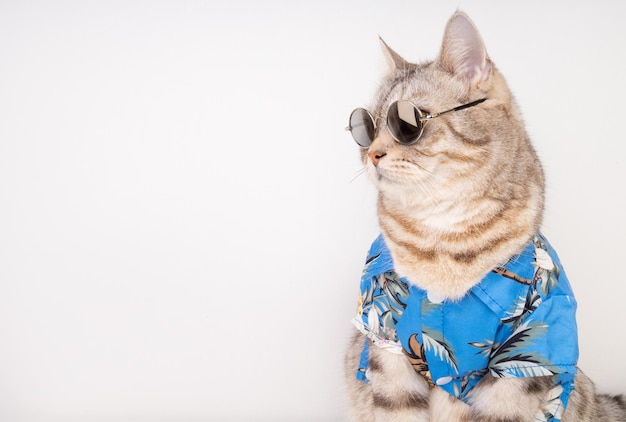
181 234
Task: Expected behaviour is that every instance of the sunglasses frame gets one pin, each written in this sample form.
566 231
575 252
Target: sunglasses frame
423 117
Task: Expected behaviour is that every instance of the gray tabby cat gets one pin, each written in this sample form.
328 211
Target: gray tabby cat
459 196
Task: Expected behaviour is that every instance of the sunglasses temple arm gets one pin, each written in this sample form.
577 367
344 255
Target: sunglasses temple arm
472 104
461 107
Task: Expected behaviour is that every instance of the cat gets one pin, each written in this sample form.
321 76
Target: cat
465 313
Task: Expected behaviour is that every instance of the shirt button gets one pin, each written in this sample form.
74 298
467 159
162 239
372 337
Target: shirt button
434 298
443 380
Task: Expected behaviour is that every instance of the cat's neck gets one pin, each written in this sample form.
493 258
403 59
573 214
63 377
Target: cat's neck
447 248
443 215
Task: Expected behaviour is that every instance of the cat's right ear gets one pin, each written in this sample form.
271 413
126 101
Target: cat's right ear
394 61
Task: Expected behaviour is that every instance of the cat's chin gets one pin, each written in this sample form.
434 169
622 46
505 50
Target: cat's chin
394 189
398 196
402 199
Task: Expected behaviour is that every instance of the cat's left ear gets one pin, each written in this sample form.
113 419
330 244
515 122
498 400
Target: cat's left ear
394 61
463 51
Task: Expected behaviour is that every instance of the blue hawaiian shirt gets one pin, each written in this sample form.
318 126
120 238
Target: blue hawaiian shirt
519 321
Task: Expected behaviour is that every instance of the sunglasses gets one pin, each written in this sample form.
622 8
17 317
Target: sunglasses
405 122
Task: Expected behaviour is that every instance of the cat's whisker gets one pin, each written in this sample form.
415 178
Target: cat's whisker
421 168
358 173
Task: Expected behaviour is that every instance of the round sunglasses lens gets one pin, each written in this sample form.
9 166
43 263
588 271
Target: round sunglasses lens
404 122
362 127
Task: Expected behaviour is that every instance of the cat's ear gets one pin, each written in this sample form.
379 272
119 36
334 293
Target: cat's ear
394 61
463 51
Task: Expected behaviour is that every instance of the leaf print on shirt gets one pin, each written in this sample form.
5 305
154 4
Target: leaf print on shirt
388 304
417 358
381 304
545 279
434 341
396 292
510 359
553 407
523 307
546 272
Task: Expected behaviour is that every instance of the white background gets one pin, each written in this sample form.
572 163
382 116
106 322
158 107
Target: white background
182 232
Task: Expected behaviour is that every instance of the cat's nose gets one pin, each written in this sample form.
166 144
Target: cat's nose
375 156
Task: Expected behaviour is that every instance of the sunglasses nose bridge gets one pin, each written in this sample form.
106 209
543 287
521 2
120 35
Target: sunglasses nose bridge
377 123
380 124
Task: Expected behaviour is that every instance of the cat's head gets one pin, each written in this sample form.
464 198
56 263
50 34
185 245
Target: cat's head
463 153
